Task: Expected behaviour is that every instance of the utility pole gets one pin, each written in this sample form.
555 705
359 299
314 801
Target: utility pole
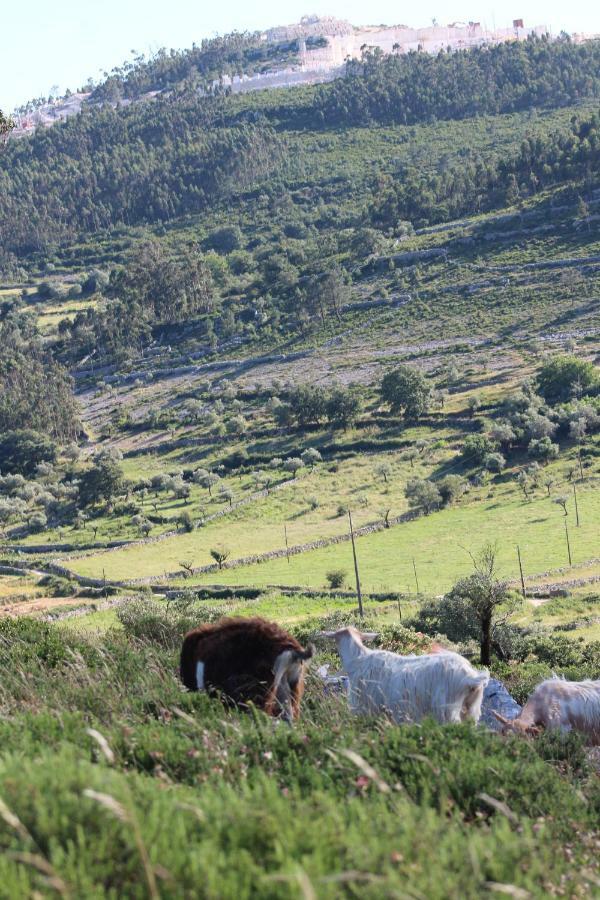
287 549
576 507
416 578
521 571
568 543
358 591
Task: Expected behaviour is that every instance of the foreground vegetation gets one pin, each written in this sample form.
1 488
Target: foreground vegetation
115 782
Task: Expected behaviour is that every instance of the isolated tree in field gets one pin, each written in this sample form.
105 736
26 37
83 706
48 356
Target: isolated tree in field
181 489
423 494
564 378
562 502
525 482
484 597
209 480
384 470
310 457
409 456
293 465
142 523
199 476
548 482
226 494
406 391
220 554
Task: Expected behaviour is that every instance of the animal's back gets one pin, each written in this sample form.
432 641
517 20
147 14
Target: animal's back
238 656
409 688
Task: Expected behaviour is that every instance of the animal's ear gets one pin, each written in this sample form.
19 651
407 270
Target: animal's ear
329 635
368 636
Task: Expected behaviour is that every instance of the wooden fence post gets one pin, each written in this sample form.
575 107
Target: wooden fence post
358 591
521 571
416 578
568 543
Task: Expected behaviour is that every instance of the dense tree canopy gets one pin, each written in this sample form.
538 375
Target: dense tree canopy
406 391
36 392
566 378
417 87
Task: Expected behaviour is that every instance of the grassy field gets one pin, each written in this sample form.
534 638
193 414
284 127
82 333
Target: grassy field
439 543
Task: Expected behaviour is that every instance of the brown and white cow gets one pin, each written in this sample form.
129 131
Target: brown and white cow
560 705
246 661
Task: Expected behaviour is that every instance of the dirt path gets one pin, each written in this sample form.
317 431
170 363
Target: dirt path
40 605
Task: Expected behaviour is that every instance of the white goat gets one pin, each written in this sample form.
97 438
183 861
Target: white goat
562 706
409 688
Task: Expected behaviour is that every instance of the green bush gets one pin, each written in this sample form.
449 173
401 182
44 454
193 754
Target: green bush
164 624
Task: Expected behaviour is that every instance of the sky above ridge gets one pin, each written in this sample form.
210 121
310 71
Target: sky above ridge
51 46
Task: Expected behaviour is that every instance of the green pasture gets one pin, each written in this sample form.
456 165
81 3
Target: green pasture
308 508
440 545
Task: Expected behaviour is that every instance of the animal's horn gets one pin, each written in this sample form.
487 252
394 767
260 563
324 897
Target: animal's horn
500 718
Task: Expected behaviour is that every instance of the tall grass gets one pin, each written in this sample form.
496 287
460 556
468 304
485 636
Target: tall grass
115 782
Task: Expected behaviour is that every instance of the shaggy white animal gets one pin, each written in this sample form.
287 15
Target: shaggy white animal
562 706
409 688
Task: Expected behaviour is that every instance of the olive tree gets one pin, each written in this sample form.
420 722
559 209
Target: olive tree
483 598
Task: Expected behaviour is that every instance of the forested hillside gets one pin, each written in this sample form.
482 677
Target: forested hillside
186 153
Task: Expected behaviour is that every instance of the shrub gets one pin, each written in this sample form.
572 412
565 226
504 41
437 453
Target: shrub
336 578
185 521
423 494
543 449
164 624
38 522
451 488
475 449
494 462
310 457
